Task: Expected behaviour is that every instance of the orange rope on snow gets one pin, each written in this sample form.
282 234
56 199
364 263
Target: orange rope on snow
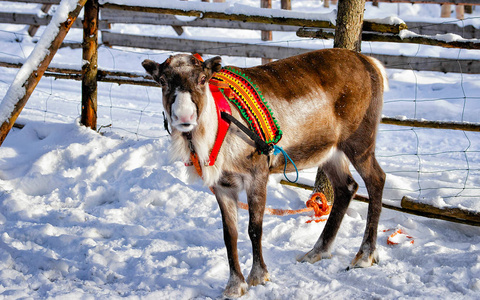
317 202
320 209
276 211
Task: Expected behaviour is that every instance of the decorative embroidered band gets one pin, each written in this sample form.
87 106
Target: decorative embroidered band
246 96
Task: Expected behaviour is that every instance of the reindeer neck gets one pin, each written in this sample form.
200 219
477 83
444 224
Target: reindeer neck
203 138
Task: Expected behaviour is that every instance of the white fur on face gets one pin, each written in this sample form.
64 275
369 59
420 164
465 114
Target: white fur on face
184 112
203 141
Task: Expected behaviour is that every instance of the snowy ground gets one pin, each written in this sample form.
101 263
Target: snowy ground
84 215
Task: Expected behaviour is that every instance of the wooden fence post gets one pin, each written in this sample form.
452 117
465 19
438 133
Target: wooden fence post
15 100
460 12
446 11
286 4
90 65
266 34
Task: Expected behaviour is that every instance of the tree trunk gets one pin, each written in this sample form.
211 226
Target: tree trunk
348 33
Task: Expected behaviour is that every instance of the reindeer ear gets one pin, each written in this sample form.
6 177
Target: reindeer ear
212 65
156 70
153 68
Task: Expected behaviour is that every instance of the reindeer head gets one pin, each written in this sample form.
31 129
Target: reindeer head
183 79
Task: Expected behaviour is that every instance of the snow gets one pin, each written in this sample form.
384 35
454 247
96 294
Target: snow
107 216
391 20
448 38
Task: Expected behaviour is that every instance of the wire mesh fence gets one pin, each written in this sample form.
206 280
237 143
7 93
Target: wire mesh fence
440 165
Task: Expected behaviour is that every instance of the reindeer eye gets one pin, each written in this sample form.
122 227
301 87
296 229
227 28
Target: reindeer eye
162 81
203 80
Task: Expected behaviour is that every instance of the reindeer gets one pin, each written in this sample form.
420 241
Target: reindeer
328 104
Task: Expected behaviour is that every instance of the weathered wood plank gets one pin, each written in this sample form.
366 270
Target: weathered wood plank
55 2
432 124
467 32
132 17
423 40
395 38
102 75
207 47
34 20
467 66
24 19
222 16
367 25
457 213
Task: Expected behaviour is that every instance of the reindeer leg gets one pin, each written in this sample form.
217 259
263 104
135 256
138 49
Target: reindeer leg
344 187
374 178
227 200
257 196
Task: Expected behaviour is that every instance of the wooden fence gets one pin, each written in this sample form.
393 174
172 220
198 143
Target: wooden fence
111 13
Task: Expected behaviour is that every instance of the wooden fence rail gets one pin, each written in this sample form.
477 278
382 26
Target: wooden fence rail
468 66
281 20
35 20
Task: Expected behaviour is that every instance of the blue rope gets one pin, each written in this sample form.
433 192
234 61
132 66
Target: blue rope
277 150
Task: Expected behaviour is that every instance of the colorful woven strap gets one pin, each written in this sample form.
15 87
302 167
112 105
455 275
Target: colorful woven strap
240 90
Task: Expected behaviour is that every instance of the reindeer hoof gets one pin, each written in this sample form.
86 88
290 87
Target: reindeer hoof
364 260
235 289
258 277
313 256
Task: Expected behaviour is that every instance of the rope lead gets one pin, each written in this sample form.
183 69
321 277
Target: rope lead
276 150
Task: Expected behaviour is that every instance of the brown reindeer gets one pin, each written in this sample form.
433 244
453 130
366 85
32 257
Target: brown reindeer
328 104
